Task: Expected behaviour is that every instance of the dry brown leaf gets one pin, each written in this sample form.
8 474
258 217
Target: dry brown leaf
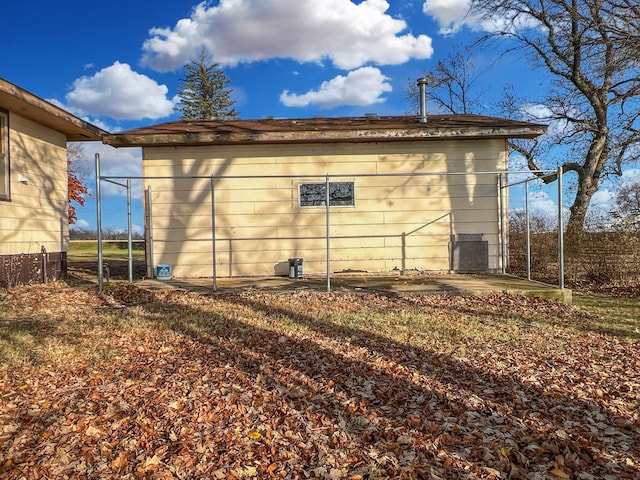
120 461
559 473
291 383
152 463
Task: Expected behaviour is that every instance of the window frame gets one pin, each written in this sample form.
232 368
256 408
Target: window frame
322 203
5 158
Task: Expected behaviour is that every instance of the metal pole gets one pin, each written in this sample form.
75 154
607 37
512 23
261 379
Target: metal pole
560 233
327 200
213 235
503 236
528 229
129 236
404 252
355 175
99 223
44 259
150 228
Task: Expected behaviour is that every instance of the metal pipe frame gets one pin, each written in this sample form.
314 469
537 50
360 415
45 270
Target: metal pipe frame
214 252
129 235
528 229
327 177
328 230
99 223
560 232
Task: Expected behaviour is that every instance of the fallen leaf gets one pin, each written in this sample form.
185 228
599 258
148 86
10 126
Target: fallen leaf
251 471
94 432
287 384
151 463
120 461
559 473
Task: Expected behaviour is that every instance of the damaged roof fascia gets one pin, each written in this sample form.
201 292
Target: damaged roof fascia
384 129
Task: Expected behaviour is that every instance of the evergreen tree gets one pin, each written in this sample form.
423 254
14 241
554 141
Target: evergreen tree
204 92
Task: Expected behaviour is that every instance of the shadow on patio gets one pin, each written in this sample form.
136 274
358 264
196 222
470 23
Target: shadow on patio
407 284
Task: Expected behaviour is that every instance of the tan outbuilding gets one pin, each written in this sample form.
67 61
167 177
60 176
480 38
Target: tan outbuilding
34 226
406 192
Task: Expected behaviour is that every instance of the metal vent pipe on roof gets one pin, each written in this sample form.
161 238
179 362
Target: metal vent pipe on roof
422 85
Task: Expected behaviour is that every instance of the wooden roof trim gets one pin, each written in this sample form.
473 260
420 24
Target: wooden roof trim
171 135
28 105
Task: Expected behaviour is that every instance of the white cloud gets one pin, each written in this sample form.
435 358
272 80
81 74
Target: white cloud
80 114
359 88
114 162
235 31
454 14
542 205
122 162
81 225
119 92
631 175
603 200
137 229
536 112
450 14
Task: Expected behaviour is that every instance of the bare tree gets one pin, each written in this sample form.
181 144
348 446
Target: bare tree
586 48
628 206
625 25
452 87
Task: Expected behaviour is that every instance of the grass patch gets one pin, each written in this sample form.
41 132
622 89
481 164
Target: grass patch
617 315
87 250
54 325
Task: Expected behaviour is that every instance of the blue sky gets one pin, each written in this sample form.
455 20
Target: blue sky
117 65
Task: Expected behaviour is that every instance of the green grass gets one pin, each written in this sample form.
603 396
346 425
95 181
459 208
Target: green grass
86 250
617 315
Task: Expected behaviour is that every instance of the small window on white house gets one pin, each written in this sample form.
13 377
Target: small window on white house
341 194
4 156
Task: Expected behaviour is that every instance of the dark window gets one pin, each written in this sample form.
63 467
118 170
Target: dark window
315 194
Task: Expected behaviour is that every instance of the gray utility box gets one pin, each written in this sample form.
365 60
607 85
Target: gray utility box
469 253
295 267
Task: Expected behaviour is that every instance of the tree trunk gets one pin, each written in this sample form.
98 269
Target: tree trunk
578 211
588 182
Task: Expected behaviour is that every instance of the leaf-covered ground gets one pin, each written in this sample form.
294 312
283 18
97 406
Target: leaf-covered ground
135 383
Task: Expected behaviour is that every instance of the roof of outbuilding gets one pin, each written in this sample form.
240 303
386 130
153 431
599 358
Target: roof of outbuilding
369 128
28 105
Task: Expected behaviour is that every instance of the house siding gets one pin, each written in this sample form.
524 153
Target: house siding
259 223
36 215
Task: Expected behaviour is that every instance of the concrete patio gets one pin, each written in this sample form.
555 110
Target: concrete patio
399 284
